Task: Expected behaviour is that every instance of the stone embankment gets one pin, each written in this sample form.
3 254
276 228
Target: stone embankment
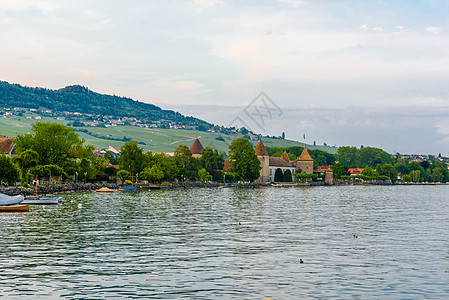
53 189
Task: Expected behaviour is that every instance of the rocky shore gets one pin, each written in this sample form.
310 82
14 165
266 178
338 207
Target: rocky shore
53 189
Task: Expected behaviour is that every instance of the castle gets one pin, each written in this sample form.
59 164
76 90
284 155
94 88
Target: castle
278 169
275 169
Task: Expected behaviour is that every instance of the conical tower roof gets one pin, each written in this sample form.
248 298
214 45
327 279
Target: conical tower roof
285 157
196 147
260 149
305 155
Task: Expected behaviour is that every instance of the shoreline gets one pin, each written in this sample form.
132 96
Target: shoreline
73 188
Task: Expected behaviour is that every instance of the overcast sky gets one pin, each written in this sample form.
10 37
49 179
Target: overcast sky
372 73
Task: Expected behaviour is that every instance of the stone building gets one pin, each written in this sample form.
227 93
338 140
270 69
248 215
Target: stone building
274 168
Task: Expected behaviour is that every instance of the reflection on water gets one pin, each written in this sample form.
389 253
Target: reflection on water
232 243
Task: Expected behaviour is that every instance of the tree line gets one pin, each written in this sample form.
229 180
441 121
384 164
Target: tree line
56 150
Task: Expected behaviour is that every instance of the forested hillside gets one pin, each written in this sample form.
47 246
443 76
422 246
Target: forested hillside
80 99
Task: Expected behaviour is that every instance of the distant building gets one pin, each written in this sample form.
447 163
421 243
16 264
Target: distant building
355 171
7 146
283 165
115 152
196 148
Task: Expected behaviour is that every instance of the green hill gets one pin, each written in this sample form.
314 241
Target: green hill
93 115
80 99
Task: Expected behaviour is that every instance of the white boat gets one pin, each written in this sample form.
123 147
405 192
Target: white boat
42 200
6 200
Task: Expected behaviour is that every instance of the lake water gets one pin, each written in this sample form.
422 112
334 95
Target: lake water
232 243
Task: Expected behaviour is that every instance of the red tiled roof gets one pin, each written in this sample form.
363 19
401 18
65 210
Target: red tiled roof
6 144
305 155
260 149
285 157
196 147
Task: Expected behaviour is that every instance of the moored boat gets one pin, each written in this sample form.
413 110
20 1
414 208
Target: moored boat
105 190
15 208
10 200
42 200
127 188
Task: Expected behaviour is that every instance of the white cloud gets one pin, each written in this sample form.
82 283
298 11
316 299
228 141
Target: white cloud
364 27
378 29
23 5
434 30
294 3
205 4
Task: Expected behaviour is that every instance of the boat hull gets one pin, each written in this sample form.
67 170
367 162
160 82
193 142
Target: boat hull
15 208
127 189
42 201
6 200
105 190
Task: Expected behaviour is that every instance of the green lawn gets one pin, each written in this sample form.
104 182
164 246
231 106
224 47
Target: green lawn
156 140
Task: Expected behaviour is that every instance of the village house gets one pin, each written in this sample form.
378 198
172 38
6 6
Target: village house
7 145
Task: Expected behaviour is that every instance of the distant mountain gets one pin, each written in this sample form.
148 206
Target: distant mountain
78 98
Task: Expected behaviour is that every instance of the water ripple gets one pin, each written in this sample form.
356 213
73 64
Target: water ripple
232 243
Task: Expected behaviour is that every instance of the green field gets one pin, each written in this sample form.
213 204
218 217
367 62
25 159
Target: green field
156 140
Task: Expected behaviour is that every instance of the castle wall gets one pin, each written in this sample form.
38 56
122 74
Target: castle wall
306 166
265 170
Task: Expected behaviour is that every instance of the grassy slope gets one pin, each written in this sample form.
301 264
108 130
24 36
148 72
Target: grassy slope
156 140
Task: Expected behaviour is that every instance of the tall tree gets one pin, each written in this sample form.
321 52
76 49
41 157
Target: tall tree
186 161
243 159
55 143
8 171
347 156
131 157
26 160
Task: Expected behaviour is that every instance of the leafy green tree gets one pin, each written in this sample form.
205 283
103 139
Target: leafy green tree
243 159
213 162
55 143
188 165
123 175
415 175
8 170
339 170
47 170
211 159
167 165
370 172
202 173
373 156
25 160
306 177
402 168
153 174
407 178
389 171
347 156
131 157
437 175
439 171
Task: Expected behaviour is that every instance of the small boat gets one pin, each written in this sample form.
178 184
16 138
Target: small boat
42 200
10 200
277 185
105 190
127 188
14 208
